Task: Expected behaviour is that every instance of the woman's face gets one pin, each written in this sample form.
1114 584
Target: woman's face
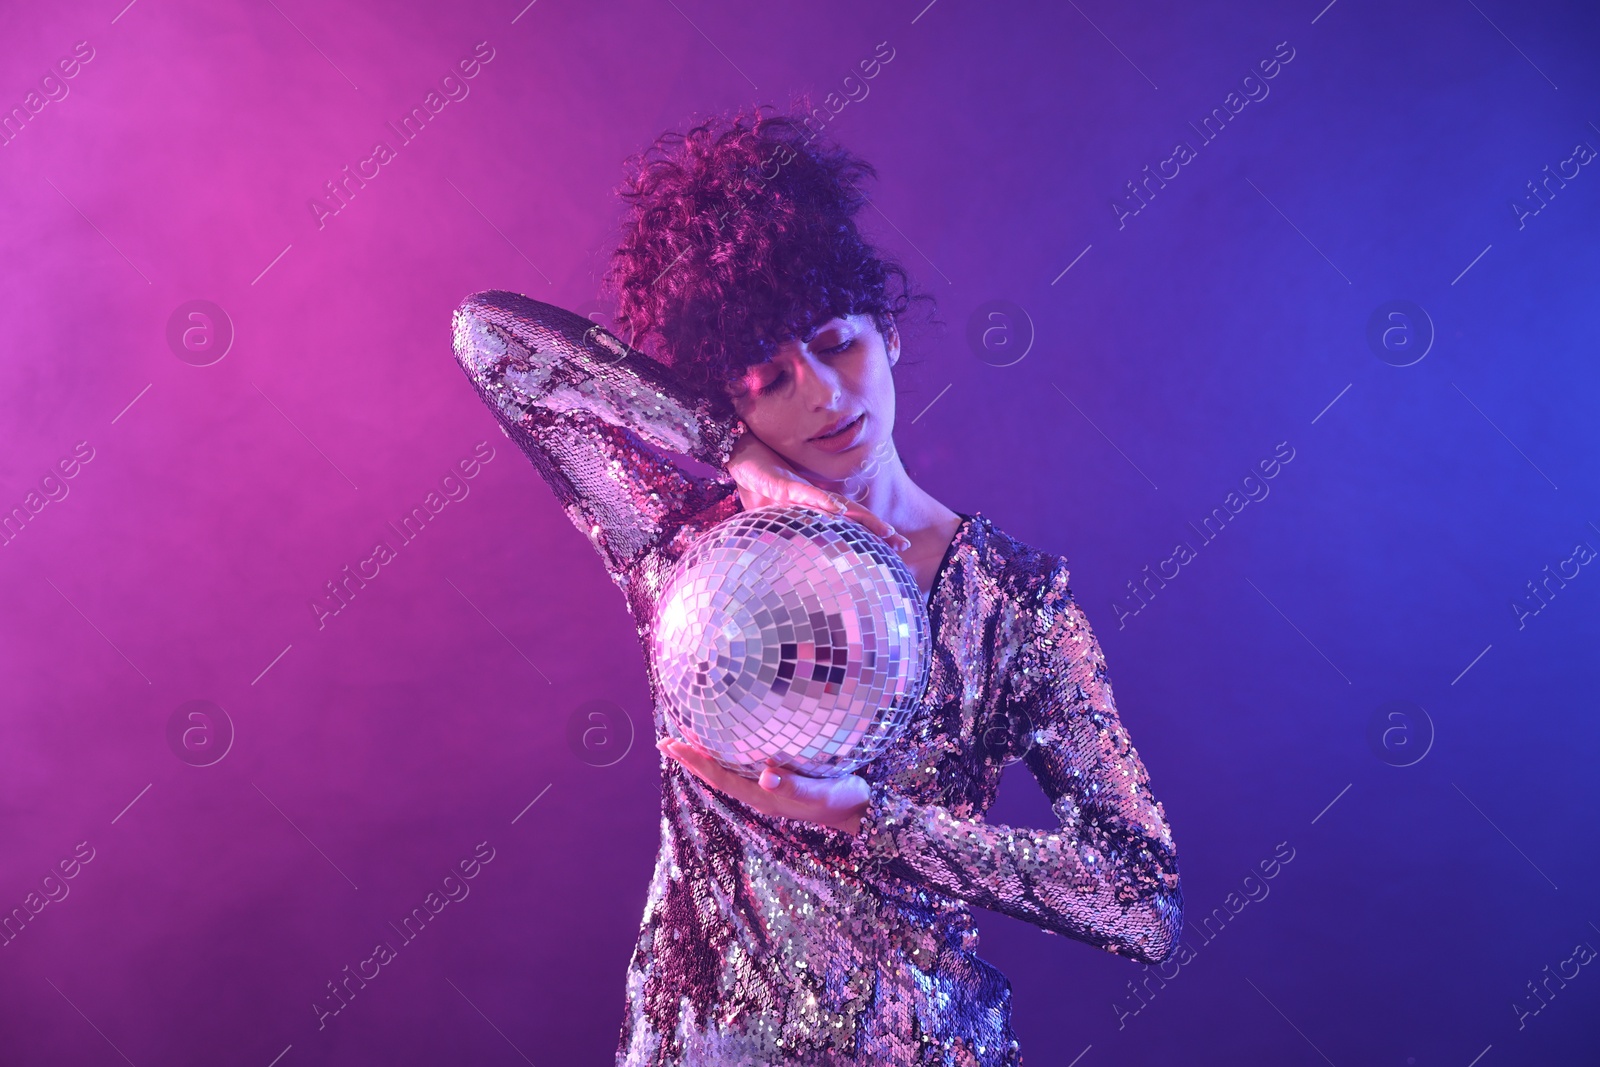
838 376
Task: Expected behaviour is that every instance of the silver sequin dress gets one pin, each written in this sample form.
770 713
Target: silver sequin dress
771 941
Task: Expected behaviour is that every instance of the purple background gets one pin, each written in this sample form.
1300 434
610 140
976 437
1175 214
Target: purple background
1228 315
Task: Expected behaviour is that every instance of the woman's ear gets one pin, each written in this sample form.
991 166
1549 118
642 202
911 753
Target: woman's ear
892 342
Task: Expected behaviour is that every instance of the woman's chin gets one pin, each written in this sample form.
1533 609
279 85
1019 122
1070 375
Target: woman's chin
826 475
834 472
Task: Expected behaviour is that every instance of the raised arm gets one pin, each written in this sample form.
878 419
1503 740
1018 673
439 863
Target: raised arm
582 405
1109 874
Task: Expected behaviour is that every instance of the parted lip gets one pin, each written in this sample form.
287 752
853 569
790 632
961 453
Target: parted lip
831 427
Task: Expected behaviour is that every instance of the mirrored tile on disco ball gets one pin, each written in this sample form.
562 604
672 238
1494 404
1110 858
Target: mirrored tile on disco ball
785 631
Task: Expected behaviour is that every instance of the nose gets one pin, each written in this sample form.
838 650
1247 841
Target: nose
819 383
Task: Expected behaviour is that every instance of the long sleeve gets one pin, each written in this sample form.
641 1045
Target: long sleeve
582 406
1109 875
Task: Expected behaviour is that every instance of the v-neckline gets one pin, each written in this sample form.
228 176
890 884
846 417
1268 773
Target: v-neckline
944 561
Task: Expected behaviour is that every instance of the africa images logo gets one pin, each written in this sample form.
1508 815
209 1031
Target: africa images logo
452 88
1252 88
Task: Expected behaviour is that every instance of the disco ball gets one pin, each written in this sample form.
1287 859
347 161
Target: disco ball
787 632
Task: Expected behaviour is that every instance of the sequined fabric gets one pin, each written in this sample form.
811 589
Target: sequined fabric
772 941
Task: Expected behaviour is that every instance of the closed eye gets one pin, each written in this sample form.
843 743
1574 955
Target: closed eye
783 376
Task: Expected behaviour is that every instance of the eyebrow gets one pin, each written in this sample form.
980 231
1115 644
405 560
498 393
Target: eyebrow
839 324
755 369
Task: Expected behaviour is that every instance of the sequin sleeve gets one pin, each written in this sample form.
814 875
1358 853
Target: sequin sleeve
1109 874
582 405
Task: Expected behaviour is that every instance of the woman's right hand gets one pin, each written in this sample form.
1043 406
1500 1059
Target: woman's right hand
765 477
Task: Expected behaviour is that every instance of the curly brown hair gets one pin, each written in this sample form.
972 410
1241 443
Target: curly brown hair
740 235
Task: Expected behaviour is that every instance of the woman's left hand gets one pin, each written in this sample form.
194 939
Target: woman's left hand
765 477
837 803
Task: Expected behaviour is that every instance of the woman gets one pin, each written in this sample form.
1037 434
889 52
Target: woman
791 919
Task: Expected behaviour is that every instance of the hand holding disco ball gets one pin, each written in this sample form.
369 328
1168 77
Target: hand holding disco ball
766 477
788 634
